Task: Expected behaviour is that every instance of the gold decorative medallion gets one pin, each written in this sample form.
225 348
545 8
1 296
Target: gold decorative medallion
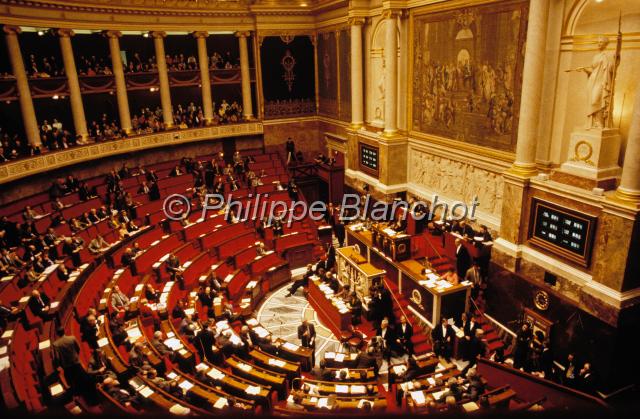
583 151
541 300
416 297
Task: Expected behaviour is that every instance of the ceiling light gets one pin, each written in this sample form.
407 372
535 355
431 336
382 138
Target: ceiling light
41 32
146 34
55 97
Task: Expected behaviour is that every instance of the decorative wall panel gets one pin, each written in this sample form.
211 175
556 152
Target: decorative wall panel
467 73
328 74
344 58
288 79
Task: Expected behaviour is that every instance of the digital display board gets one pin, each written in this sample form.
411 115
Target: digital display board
369 159
564 232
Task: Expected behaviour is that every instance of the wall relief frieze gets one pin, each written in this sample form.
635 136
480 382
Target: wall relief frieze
456 180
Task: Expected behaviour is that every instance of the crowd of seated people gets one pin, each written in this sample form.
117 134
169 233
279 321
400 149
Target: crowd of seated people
92 66
13 146
43 67
105 129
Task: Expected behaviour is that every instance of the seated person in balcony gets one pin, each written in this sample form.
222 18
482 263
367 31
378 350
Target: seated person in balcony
39 304
98 245
151 294
72 184
119 301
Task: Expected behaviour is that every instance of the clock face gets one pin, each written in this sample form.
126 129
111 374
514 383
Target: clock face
541 300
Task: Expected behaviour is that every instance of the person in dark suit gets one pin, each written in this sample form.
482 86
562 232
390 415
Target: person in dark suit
469 326
321 264
290 148
388 337
404 333
356 309
174 269
521 349
302 282
442 336
463 259
307 334
339 231
204 343
66 351
39 304
128 260
268 346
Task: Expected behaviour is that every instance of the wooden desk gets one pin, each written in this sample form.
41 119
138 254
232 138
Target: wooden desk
355 270
246 369
327 307
429 299
395 244
273 363
296 353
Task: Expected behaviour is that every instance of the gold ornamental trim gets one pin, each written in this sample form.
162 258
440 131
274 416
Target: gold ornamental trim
40 164
583 151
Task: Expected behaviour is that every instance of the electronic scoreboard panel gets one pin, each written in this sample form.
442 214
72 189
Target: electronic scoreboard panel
565 232
369 159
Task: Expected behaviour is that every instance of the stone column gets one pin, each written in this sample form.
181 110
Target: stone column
391 73
118 75
357 95
247 106
314 41
629 189
75 96
205 81
163 77
531 99
22 83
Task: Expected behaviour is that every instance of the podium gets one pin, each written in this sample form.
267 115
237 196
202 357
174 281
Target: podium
390 242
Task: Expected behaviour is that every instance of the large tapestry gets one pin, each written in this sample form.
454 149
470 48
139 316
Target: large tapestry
344 57
288 81
328 74
467 73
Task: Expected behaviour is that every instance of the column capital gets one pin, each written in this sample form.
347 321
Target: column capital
158 34
242 34
112 34
65 32
391 13
357 20
11 29
200 34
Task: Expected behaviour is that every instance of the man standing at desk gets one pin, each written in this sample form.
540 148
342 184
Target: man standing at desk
463 259
307 336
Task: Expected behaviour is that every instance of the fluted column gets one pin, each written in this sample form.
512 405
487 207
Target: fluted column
205 80
391 73
357 94
532 79
247 106
118 75
163 77
22 83
629 189
75 96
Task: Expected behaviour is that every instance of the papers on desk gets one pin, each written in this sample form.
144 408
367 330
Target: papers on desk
431 381
190 311
172 375
216 374
4 363
221 403
3 350
341 388
7 334
252 323
470 407
290 346
444 284
177 409
235 340
44 344
202 367
103 342
134 333
139 287
173 343
465 283
228 278
418 397
56 389
145 392
407 386
186 385
261 332
134 299
276 362
244 367
438 394
252 390
24 299
339 357
399 369
389 232
358 389
6 278
323 403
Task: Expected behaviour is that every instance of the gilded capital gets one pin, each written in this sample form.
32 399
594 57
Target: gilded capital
242 34
200 34
65 32
158 34
10 29
356 21
112 34
391 13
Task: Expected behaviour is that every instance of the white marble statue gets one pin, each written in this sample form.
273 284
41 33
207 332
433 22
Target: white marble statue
600 75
